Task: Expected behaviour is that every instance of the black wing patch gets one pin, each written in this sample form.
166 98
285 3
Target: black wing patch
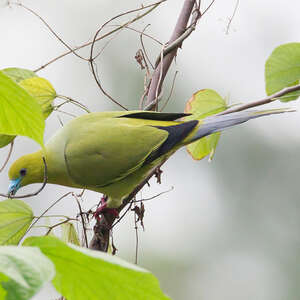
177 133
151 115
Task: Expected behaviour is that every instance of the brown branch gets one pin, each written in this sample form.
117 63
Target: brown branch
158 75
263 101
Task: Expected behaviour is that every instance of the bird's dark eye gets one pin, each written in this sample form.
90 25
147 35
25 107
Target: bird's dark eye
23 172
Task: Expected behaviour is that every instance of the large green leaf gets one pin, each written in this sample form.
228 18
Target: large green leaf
20 114
15 218
23 271
86 274
203 104
283 70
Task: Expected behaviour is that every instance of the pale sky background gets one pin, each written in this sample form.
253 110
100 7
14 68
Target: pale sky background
230 228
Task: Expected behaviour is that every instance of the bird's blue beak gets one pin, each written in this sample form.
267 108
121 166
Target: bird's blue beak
14 185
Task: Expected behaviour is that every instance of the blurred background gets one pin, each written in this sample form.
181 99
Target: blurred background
230 228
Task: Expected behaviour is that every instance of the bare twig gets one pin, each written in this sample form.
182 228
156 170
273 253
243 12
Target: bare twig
155 196
159 79
263 101
82 219
136 239
57 224
171 92
70 100
231 18
46 210
142 33
92 57
50 29
65 112
8 156
144 49
92 42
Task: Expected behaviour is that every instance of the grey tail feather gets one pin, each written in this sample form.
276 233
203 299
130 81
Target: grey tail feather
219 122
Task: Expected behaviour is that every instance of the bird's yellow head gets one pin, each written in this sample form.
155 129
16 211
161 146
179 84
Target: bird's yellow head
25 170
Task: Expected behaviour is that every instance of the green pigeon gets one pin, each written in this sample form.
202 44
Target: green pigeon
113 152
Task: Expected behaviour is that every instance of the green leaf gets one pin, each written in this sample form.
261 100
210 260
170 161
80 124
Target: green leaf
23 271
15 218
283 70
42 90
86 274
69 234
18 74
20 114
203 104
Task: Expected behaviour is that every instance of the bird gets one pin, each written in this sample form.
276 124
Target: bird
113 152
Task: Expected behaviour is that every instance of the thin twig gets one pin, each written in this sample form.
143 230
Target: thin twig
142 33
136 239
45 211
50 29
92 57
96 77
82 219
263 101
231 18
70 100
55 225
155 196
144 49
171 92
90 43
208 7
123 215
160 78
8 155
65 112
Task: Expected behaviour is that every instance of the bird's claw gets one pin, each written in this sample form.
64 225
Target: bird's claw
104 209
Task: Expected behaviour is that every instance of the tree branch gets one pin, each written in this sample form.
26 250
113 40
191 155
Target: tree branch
263 101
158 75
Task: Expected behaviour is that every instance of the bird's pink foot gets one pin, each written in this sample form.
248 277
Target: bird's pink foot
104 209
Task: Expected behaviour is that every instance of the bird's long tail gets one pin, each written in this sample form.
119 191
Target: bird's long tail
220 122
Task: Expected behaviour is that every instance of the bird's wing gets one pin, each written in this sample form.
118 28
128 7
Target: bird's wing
100 152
